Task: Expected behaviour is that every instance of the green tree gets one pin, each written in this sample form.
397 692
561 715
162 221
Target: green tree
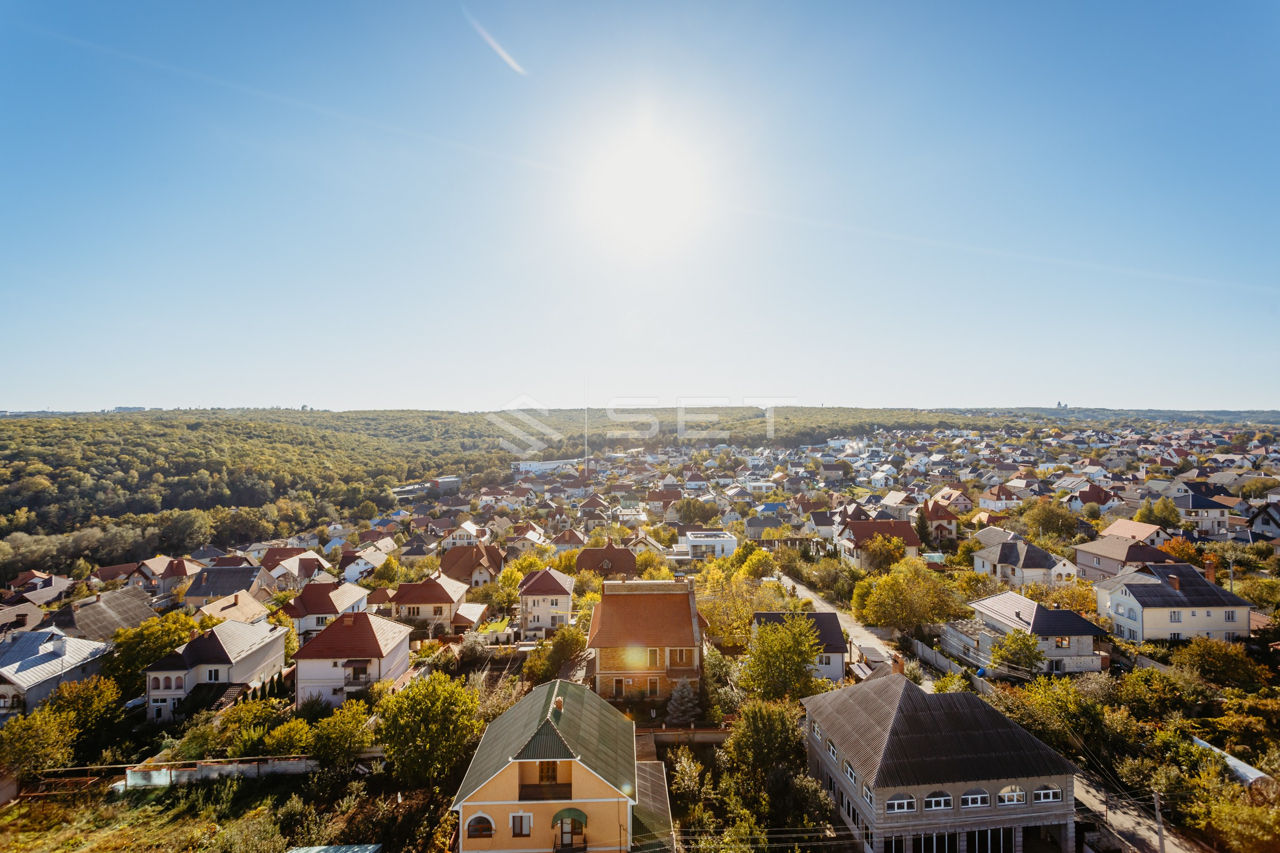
1221 663
138 648
42 740
780 659
339 738
908 598
1018 650
428 729
1050 519
952 682
291 738
682 707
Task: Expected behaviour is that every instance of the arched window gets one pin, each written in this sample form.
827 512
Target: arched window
936 801
975 798
479 827
900 803
168 683
155 683
1047 794
177 682
1011 795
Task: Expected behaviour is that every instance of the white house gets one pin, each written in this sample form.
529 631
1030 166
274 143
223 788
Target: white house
352 653
439 603
704 544
1018 562
229 653
546 602
1170 601
34 663
320 603
1064 637
1209 517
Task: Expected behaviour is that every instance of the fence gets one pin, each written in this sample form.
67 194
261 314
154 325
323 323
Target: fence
941 662
180 773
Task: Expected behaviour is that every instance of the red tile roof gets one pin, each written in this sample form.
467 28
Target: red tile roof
606 561
324 599
441 589
355 635
862 532
645 614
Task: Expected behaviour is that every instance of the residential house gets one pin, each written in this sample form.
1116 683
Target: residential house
237 607
955 500
34 663
941 522
1152 534
98 618
1107 556
833 651
16 618
546 602
1207 515
438 603
998 498
914 771
1105 499
473 565
609 561
709 544
558 767
353 652
354 565
318 604
1018 562
228 655
855 535
1065 637
1170 601
646 637
1265 521
220 581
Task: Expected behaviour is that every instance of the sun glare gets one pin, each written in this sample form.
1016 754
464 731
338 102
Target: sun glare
646 192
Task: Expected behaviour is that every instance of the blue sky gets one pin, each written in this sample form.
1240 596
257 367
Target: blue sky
365 205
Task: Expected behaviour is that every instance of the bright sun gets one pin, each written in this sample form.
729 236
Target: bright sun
646 192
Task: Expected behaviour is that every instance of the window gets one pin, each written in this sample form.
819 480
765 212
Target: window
937 801
653 687
849 774
655 657
412 611
900 803
479 827
817 730
177 682
1229 615
168 683
1175 635
1047 794
1011 795
546 772
868 796
437 611
1062 642
215 675
976 798
1175 615
155 683
521 825
555 602
681 657
824 660
322 621
831 749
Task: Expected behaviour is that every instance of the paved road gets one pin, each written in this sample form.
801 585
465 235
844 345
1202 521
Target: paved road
1136 826
859 634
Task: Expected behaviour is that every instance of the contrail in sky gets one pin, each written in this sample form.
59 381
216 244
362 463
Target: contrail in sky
497 48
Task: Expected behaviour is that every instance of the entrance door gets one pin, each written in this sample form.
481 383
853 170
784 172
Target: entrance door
617 688
566 832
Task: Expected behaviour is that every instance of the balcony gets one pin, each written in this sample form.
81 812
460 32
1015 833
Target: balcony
579 845
551 791
358 682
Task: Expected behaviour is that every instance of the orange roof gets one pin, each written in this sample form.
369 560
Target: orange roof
647 614
355 635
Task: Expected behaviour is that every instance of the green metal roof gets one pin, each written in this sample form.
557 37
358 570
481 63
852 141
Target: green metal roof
588 729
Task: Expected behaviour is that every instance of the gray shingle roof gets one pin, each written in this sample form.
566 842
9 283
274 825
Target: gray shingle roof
31 657
896 735
226 642
99 618
1019 553
1150 586
830 634
588 729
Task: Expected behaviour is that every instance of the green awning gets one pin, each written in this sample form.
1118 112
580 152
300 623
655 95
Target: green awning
571 814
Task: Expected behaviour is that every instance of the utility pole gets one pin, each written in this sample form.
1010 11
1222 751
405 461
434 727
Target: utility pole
1159 822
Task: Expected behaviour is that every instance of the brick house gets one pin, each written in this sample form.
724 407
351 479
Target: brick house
647 638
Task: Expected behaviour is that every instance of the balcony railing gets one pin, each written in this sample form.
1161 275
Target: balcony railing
579 844
357 680
552 791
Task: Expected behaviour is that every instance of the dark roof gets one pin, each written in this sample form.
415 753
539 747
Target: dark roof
546 582
1151 586
226 642
895 735
830 634
1019 553
1195 501
221 581
99 618
1025 614
588 729
651 830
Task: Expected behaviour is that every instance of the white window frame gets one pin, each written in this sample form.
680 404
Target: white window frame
528 819
1047 794
1012 796
975 801
831 750
900 804
1175 615
934 804
849 774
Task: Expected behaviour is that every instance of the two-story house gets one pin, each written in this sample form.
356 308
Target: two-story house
227 655
353 652
853 537
473 565
220 581
833 651
646 637
557 773
1018 562
438 603
320 603
914 771
998 498
1065 638
1207 516
1170 601
546 602
1107 556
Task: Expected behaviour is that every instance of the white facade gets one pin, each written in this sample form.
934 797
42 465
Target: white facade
331 681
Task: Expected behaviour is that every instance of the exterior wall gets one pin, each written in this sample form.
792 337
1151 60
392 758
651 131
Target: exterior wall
608 811
1134 622
13 699
632 666
260 664
544 613
834 667
1077 656
872 821
1094 567
431 615
327 679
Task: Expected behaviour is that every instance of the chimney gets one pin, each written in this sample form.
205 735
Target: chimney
235 600
559 703
1211 570
1174 582
898 665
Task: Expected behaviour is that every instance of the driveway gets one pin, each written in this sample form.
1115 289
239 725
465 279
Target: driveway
859 634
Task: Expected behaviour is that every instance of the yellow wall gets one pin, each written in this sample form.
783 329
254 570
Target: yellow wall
633 663
604 806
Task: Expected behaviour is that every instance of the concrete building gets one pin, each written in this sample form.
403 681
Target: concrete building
1065 638
1170 601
